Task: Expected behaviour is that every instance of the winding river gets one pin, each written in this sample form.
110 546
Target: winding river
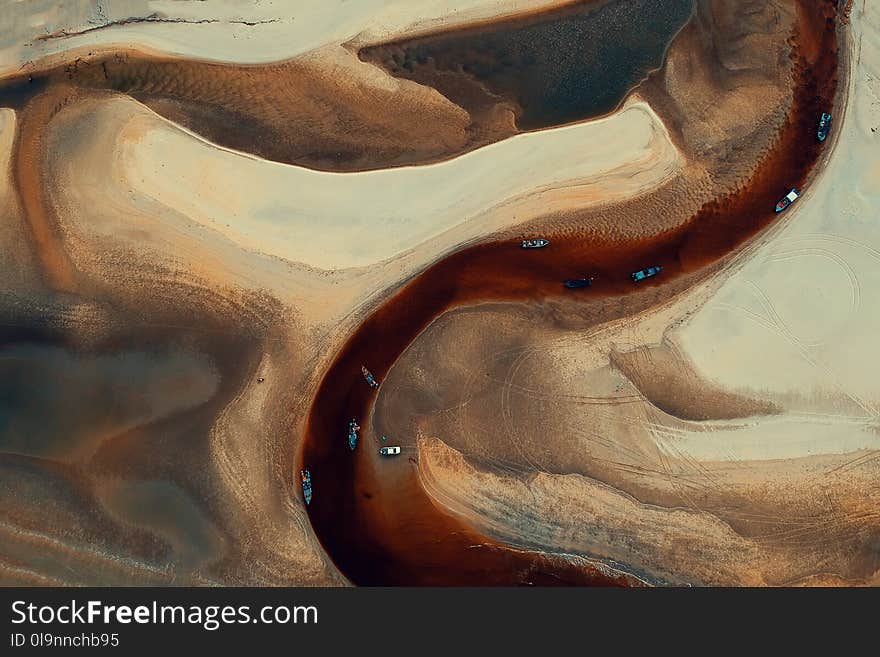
387 531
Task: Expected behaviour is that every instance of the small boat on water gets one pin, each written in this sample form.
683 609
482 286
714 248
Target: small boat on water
574 283
392 450
536 243
647 272
353 428
307 485
787 200
824 126
369 378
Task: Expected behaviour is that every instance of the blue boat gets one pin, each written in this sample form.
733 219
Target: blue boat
824 126
353 428
647 272
788 199
575 283
369 378
307 485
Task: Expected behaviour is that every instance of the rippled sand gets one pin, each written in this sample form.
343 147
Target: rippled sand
728 438
185 292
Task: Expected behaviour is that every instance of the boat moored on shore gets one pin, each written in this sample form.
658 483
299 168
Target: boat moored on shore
306 477
369 378
824 126
647 272
787 200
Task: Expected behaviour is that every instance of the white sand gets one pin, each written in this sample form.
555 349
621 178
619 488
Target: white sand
343 220
799 321
278 30
796 324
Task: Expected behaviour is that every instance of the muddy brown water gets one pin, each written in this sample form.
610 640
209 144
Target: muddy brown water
378 533
391 533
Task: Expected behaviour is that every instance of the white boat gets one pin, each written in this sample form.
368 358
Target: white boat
787 200
537 243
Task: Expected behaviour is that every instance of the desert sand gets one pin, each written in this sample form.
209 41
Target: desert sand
789 487
713 429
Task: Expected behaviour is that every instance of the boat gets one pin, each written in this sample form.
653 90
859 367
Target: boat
392 450
369 378
647 272
824 126
574 283
307 485
536 243
787 200
353 428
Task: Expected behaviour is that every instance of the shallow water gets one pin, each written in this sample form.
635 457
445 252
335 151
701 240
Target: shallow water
378 533
56 403
168 512
558 66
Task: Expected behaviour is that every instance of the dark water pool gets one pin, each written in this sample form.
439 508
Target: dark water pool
557 67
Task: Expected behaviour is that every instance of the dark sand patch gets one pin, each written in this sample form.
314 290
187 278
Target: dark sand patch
551 68
55 403
546 68
170 514
52 522
668 380
132 397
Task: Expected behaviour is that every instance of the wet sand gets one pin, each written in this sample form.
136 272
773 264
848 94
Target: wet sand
330 111
551 68
342 507
103 433
133 272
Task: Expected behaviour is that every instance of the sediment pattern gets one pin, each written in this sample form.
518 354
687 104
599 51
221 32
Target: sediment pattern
202 255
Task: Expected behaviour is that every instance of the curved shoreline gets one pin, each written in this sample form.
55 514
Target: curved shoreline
258 39
389 121
355 517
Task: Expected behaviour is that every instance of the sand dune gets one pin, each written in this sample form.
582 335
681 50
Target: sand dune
338 221
681 544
